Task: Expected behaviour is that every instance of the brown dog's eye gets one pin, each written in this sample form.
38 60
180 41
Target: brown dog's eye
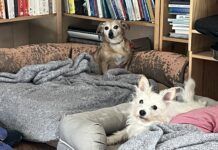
154 107
116 27
141 101
106 28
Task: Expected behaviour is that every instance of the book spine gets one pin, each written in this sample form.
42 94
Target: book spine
179 6
147 11
71 7
100 11
123 9
120 9
46 7
141 9
92 9
20 8
50 6
11 9
144 10
54 7
95 8
31 7
88 7
132 10
25 8
37 10
16 8
150 9
109 5
66 6
136 9
127 2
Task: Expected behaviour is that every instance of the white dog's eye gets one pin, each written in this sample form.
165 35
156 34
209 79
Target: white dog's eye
116 27
106 28
154 107
141 101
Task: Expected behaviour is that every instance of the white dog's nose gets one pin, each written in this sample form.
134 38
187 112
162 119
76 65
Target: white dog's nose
142 113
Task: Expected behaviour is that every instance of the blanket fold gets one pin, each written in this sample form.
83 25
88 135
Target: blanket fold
171 137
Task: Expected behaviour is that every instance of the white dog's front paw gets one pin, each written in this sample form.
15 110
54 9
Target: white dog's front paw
111 140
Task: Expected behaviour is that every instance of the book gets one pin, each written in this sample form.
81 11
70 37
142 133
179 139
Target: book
54 6
20 7
72 9
136 9
177 35
9 8
25 8
50 6
88 7
2 9
95 8
173 10
79 7
66 6
84 35
150 10
31 5
100 11
115 9
16 8
180 28
119 9
110 8
141 9
182 31
106 12
37 8
179 6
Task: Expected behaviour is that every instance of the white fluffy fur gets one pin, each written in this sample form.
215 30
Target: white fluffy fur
167 108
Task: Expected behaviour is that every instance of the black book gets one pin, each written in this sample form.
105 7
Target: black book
6 9
16 8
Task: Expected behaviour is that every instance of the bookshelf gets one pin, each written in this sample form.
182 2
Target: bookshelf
202 66
67 19
25 30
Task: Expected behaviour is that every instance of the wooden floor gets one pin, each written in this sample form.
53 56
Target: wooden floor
33 146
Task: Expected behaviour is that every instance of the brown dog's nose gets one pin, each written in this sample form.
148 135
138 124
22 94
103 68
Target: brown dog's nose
111 34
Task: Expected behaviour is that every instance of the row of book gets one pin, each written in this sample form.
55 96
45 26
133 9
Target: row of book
116 9
15 8
181 19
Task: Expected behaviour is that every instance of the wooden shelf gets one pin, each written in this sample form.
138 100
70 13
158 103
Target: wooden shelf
139 23
178 40
24 18
205 55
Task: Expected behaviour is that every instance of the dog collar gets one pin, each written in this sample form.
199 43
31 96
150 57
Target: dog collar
117 42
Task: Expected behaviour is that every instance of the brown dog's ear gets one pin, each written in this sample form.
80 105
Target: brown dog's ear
100 28
124 25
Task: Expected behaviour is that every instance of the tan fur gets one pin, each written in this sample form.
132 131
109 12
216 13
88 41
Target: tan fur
115 52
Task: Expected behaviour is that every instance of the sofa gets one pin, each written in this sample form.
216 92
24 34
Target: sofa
166 68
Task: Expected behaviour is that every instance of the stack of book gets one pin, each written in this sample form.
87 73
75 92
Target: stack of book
116 9
180 23
15 8
86 36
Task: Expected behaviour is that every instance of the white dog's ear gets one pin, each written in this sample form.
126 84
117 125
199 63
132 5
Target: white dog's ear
100 28
169 94
143 84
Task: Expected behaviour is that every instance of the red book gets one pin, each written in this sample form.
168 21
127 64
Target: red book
123 9
140 9
25 8
20 7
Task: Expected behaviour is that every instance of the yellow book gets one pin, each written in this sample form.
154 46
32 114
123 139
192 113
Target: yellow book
150 9
72 7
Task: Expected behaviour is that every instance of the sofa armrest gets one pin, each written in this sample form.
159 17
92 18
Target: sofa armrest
165 67
88 130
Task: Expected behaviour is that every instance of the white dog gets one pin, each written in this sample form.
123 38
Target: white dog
149 108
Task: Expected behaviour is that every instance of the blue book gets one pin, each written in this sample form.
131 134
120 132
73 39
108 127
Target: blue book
92 8
106 12
110 8
115 9
176 10
147 11
144 10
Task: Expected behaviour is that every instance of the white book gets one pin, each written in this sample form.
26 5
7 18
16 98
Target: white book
181 31
177 35
119 9
180 28
174 19
10 7
37 8
31 6
83 35
179 25
43 7
131 10
136 9
54 6
128 10
46 7
88 7
100 11
182 17
179 5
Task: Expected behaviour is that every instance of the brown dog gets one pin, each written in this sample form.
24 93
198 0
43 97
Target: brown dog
115 50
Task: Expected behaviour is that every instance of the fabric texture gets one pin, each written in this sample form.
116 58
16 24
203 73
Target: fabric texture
171 137
206 119
165 67
36 98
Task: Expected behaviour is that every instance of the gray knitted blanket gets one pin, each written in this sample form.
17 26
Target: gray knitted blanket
171 137
34 100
